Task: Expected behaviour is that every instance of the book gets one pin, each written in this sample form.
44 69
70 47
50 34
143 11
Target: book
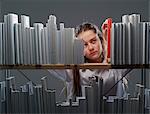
38 49
11 19
1 43
25 23
16 44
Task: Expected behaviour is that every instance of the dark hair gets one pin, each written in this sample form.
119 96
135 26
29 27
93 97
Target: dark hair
76 75
87 26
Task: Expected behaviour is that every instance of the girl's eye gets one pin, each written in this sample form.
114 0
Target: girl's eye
93 41
85 44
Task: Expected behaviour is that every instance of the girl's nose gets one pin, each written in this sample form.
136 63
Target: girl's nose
90 46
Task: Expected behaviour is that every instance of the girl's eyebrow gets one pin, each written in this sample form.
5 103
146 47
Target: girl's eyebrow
93 38
90 39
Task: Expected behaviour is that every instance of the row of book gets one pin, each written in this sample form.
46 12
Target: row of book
130 41
39 99
22 44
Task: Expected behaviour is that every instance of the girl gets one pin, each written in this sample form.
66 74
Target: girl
94 52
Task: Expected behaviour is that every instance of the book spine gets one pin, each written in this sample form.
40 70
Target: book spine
16 43
109 37
25 23
1 43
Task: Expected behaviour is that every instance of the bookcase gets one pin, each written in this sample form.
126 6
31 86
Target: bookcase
71 106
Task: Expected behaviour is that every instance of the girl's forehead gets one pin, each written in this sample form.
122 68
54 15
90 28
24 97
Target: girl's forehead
87 35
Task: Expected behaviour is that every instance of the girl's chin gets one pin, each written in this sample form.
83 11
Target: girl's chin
94 59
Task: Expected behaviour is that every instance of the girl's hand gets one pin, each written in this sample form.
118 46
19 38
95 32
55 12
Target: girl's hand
104 29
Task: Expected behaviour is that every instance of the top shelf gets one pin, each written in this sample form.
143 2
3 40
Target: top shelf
71 66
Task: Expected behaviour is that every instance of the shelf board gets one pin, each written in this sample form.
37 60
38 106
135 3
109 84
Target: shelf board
71 66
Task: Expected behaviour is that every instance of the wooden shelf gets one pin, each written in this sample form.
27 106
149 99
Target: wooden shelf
71 66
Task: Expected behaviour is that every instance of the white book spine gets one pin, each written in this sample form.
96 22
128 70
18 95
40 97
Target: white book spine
1 43
31 45
5 40
12 19
66 46
50 42
63 51
43 47
52 37
144 39
62 43
136 38
129 43
112 43
38 28
40 43
25 23
125 19
46 45
149 43
58 46
131 20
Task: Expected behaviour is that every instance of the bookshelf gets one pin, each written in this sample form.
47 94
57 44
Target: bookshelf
79 66
27 59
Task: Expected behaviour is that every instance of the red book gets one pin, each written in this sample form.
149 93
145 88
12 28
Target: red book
109 37
108 25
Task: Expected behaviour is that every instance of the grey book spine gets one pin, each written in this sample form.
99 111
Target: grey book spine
4 43
124 43
16 42
69 35
78 47
20 36
147 43
33 54
28 48
120 44
141 42
89 97
117 44
112 43
82 104
31 46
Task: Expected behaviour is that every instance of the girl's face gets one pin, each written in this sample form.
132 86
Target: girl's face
92 45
